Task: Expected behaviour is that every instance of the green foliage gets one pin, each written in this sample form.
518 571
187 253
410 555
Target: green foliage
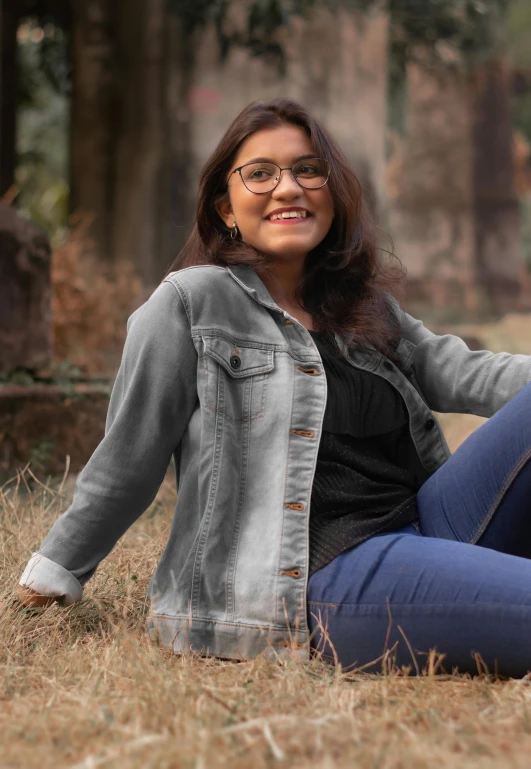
42 139
417 26
432 29
519 33
257 32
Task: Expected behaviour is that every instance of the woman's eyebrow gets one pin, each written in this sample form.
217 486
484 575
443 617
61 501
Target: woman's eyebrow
270 160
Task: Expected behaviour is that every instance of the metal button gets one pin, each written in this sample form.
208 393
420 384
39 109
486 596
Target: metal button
235 362
309 371
296 573
429 424
304 433
388 366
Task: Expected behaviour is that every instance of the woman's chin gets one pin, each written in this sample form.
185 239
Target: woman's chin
291 248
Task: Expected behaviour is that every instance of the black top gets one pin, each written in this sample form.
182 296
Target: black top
368 470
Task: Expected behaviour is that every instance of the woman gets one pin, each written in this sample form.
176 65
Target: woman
315 489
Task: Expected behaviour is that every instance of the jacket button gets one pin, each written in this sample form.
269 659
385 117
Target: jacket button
235 362
429 424
388 366
296 573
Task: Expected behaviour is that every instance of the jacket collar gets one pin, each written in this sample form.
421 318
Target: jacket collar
248 279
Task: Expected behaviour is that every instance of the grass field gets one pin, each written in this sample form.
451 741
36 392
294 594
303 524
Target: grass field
83 687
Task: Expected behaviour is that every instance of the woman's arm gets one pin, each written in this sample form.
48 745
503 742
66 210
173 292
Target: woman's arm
151 404
455 379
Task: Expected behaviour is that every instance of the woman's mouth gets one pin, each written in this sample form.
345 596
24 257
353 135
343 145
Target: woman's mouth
289 218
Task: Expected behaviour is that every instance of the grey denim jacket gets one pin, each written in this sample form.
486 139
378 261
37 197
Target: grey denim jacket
217 375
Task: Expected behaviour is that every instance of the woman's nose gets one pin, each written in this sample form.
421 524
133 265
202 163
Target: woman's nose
287 186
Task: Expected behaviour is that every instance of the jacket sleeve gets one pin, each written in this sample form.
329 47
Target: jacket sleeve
152 400
453 378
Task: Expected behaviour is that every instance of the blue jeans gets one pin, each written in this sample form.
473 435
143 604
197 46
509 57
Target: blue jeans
459 582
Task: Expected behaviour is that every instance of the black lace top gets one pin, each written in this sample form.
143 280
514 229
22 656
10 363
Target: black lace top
368 470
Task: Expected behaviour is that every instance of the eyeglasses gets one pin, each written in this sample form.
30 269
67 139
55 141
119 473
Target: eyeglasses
264 177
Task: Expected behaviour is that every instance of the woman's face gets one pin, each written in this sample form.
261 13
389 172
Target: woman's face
282 240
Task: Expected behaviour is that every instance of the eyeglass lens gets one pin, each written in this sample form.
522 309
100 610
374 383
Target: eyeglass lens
264 177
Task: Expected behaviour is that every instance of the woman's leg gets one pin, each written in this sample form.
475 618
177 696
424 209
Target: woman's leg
440 588
457 598
482 494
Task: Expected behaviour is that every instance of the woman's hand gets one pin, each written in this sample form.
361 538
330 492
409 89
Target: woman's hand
32 599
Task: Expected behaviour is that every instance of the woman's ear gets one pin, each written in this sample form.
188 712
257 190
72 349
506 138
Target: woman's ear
224 208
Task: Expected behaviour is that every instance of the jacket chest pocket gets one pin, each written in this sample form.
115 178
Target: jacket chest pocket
235 378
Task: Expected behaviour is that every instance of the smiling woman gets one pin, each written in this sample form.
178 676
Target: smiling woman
318 507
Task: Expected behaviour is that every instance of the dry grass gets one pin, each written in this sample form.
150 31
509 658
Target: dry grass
84 687
91 303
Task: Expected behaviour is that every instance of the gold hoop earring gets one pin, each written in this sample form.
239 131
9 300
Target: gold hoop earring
234 231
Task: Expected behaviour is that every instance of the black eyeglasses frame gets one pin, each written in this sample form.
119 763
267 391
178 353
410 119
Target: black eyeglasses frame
278 178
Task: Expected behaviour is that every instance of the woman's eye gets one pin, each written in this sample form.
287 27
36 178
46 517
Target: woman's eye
307 169
259 174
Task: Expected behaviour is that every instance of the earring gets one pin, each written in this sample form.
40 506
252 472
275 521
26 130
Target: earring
234 231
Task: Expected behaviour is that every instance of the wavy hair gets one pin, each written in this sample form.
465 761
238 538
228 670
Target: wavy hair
348 279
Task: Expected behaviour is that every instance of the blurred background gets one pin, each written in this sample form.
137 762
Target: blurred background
109 108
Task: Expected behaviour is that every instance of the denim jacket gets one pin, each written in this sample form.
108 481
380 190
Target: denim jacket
216 375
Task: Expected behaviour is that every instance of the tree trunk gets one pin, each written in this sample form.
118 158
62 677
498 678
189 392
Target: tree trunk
8 92
138 193
91 140
179 178
499 257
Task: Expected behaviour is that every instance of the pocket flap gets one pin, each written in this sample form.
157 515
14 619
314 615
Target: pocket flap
246 360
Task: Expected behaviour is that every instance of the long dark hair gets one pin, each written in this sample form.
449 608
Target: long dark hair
346 284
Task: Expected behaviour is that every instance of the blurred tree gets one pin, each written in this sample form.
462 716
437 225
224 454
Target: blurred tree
497 210
95 114
8 93
519 35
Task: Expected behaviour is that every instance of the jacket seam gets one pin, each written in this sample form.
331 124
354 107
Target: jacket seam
498 499
204 529
233 556
181 293
210 621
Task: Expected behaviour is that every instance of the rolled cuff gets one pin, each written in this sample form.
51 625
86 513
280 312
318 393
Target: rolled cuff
49 578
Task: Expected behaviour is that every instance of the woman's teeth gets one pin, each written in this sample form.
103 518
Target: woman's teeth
290 215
